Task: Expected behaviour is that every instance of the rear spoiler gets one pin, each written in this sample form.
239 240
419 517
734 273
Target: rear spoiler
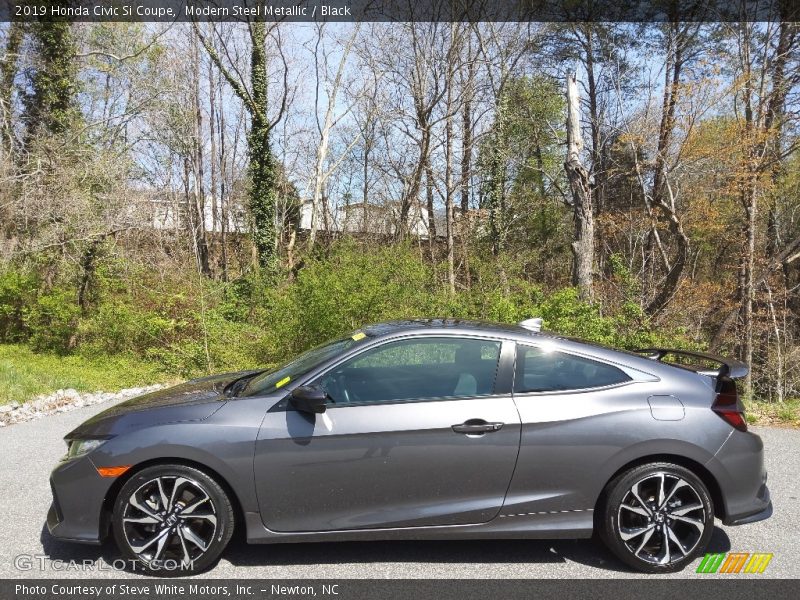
729 368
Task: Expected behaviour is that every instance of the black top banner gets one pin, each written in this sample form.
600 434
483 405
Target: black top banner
632 11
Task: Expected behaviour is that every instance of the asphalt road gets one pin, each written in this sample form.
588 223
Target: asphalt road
29 450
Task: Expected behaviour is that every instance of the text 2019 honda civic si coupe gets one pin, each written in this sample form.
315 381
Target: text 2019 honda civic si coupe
423 429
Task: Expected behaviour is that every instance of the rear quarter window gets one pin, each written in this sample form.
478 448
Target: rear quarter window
539 370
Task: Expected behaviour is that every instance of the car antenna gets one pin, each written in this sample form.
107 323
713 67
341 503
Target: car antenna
534 324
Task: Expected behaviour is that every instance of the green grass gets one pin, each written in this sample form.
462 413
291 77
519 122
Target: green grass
772 413
25 374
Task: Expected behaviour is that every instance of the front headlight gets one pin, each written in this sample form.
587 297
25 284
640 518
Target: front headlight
78 448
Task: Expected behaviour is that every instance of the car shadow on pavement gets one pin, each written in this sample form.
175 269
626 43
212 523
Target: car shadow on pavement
59 550
590 552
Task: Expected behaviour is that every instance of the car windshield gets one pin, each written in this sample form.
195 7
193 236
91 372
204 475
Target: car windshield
268 382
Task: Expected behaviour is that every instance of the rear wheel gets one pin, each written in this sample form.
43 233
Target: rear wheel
172 520
657 517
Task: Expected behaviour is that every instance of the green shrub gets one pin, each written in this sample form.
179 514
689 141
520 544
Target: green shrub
350 288
53 321
18 291
189 325
219 346
118 327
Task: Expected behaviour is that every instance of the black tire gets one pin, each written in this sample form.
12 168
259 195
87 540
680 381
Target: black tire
635 530
172 520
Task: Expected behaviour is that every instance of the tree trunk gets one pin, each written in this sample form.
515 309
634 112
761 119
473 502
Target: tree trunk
412 193
466 156
748 291
52 107
661 195
8 73
199 225
449 192
320 176
88 268
583 244
429 198
466 124
262 166
748 200
597 167
262 193
223 189
213 161
365 182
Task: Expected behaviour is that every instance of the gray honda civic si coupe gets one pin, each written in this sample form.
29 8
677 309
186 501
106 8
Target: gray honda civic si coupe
423 429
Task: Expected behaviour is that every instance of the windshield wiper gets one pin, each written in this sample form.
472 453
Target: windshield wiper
236 386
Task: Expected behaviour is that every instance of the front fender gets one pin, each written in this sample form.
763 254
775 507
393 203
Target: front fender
223 445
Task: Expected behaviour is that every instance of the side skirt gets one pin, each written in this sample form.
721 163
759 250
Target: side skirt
572 524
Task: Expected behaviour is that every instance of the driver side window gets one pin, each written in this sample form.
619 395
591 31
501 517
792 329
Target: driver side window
418 369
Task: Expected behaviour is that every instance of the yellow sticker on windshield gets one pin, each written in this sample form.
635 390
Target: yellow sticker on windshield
359 336
283 382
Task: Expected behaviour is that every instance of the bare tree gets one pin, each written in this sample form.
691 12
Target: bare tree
762 108
450 111
679 40
197 203
324 128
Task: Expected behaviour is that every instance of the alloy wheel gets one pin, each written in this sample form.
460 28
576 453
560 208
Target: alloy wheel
169 518
661 518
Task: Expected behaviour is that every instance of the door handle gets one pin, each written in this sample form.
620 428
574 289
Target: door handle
477 426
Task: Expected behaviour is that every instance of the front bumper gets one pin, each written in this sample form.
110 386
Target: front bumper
78 496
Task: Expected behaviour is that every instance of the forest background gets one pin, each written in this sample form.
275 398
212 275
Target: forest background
183 199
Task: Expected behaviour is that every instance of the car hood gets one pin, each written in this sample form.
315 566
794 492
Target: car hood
194 400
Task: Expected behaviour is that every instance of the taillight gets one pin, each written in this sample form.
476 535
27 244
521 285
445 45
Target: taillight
727 406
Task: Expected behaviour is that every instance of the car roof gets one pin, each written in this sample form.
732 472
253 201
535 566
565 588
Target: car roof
474 326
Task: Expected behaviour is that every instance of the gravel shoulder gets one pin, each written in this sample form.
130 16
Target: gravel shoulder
29 450
64 401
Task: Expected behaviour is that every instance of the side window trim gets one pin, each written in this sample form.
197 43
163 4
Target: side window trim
504 377
631 378
331 405
597 388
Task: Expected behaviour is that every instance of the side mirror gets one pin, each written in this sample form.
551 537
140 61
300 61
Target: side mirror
309 399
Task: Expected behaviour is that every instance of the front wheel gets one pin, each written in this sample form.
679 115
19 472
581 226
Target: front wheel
657 517
172 520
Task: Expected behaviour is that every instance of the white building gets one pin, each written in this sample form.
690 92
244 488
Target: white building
378 219
164 211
